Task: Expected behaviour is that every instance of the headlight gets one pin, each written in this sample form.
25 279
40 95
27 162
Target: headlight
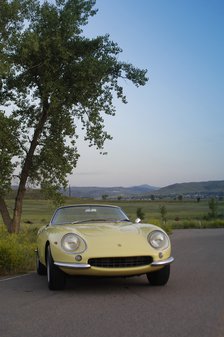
158 240
72 243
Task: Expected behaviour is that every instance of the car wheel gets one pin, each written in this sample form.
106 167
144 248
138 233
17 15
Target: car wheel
159 277
41 269
55 276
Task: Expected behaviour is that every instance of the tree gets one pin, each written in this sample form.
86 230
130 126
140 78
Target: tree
105 196
140 214
213 206
198 199
163 212
51 77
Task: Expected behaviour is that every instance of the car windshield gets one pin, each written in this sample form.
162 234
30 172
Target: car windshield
87 213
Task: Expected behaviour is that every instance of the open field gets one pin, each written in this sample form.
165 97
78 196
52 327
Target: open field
38 211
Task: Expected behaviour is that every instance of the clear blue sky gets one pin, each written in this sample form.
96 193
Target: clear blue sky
171 130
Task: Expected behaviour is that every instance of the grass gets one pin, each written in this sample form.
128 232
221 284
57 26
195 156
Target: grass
17 251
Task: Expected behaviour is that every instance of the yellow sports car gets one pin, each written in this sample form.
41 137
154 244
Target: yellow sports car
100 240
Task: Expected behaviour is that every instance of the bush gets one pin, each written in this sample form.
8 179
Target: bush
216 223
166 227
140 214
17 253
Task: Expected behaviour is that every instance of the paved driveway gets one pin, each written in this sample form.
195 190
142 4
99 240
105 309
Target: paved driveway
190 305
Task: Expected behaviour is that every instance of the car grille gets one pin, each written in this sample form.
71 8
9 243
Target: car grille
120 262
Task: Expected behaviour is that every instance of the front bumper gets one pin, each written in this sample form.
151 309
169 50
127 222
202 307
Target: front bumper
73 265
87 266
163 262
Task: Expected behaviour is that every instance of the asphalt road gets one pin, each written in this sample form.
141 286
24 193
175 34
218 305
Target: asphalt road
190 305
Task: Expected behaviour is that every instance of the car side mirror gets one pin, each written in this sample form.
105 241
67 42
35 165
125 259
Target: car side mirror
138 220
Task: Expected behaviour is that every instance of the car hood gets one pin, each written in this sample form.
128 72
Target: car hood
103 239
112 238
96 229
106 229
100 227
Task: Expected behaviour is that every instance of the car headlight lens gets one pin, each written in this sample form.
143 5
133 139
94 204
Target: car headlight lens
71 242
158 240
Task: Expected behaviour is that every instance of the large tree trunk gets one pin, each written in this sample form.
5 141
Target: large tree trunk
14 225
5 215
18 211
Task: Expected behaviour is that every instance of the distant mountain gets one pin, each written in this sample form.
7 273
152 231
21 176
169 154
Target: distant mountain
98 192
204 187
191 188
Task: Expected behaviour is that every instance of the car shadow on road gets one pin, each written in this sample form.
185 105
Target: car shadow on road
103 285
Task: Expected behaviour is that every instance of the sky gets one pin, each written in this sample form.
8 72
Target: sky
172 129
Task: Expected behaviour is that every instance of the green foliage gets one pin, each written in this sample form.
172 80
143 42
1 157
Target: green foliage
104 196
51 76
140 214
9 148
200 224
213 206
167 227
163 212
51 192
17 251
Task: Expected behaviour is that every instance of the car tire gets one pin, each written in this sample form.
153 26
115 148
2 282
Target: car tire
41 269
159 277
55 276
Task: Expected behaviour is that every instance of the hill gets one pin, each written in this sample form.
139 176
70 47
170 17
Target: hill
191 189
207 188
204 188
98 192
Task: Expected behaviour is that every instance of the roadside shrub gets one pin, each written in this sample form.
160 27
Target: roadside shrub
216 223
17 251
140 214
155 222
194 223
166 227
184 224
